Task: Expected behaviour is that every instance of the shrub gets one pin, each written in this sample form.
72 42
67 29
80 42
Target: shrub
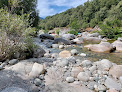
110 32
14 30
73 32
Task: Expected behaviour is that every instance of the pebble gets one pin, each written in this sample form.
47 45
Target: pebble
101 88
37 82
61 46
83 54
13 61
70 79
74 52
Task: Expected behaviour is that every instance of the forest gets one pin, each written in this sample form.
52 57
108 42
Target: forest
105 13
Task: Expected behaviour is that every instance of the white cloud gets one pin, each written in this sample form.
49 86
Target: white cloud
45 10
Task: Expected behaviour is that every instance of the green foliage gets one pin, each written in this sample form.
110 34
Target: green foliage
57 31
46 31
22 6
73 32
88 15
110 32
14 30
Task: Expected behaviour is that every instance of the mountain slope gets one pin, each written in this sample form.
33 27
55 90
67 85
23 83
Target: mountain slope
87 15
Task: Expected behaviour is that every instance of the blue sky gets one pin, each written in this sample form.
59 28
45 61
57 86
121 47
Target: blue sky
52 7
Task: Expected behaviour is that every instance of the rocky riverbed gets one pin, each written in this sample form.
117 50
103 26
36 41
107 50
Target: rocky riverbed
61 67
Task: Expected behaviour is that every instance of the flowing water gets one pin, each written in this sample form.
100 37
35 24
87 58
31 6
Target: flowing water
115 57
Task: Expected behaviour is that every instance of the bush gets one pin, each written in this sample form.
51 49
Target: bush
73 32
14 30
110 32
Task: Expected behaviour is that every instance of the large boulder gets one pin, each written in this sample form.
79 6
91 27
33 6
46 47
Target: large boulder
111 83
92 39
65 54
46 36
39 52
118 45
93 35
68 36
11 82
61 41
116 71
78 40
104 64
102 47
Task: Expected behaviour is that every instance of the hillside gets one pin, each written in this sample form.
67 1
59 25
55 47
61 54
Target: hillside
92 13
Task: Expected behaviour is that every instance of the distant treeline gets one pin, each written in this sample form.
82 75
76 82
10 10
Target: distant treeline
92 13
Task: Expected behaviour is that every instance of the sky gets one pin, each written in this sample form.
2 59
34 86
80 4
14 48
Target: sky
52 7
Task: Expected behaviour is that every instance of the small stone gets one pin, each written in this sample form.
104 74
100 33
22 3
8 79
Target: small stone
55 45
37 82
93 68
87 63
13 61
82 76
65 54
70 79
47 55
4 64
76 70
37 70
77 83
74 52
83 54
101 88
61 46
91 85
41 77
54 55
65 62
1 67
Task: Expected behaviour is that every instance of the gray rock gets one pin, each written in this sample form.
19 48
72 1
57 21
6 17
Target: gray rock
1 67
93 68
37 82
65 62
74 52
104 64
91 85
14 89
70 79
61 46
47 55
61 41
68 36
37 70
55 45
119 38
83 54
41 77
111 83
46 36
86 63
39 52
93 35
82 76
101 88
13 61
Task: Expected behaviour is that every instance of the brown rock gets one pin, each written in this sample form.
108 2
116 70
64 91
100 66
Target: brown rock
64 54
76 70
112 90
118 45
102 47
116 71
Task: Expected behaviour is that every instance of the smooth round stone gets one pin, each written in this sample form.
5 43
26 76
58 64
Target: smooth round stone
101 88
37 82
83 54
82 76
65 62
70 79
13 89
61 46
77 83
13 61
74 52
47 55
1 67
55 45
41 77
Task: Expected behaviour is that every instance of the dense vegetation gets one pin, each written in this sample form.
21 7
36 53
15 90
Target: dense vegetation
16 29
22 6
92 13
